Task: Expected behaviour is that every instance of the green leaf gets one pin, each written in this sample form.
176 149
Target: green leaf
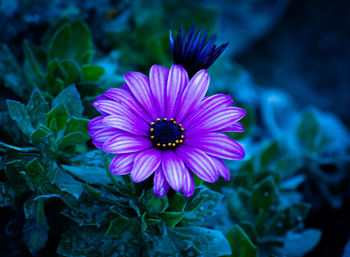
11 73
241 245
37 108
18 112
35 230
299 244
81 41
208 241
89 174
73 138
78 125
202 204
117 226
308 131
154 204
71 98
38 134
60 113
172 218
268 154
56 76
7 195
264 194
92 72
37 58
66 183
72 70
60 45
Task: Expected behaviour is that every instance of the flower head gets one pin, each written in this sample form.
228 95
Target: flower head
192 51
166 126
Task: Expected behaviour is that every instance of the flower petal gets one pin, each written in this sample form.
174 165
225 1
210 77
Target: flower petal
131 124
126 143
95 125
235 127
140 88
209 106
102 135
218 145
127 99
173 170
199 162
193 94
188 185
158 77
122 164
145 163
177 81
161 186
219 120
221 168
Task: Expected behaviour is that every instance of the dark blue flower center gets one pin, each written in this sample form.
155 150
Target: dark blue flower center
166 134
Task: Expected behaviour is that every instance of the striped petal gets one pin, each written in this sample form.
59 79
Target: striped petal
221 168
193 94
145 163
173 170
188 185
158 77
131 124
140 88
161 186
218 145
199 162
216 122
122 164
126 143
177 81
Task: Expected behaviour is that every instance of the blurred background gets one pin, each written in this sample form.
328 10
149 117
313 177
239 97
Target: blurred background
288 62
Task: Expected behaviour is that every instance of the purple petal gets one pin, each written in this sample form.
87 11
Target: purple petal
188 186
95 125
145 163
131 124
173 170
177 81
235 127
218 145
199 162
102 135
125 87
127 99
122 164
208 107
158 77
139 86
221 168
161 186
126 143
193 94
219 120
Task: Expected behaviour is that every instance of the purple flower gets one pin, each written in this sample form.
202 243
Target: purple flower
166 126
193 51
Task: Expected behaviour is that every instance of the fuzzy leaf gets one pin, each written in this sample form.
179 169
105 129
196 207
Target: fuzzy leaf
66 183
60 113
208 241
19 113
7 195
89 174
172 218
92 72
11 74
37 108
264 194
241 245
71 98
35 230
